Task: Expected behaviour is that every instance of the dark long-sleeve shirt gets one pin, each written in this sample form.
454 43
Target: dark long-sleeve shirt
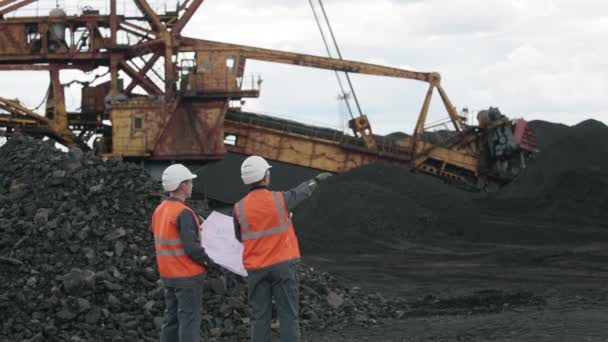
189 234
292 198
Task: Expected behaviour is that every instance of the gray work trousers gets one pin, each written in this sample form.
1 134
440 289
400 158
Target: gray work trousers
280 282
183 306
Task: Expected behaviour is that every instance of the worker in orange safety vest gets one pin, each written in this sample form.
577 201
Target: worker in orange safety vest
180 257
271 253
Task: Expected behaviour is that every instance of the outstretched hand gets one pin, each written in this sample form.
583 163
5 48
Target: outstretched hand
321 177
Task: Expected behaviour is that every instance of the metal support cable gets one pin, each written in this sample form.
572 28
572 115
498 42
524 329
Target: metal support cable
43 101
85 83
333 37
344 95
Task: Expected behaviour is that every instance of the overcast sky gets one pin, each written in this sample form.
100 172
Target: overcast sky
536 59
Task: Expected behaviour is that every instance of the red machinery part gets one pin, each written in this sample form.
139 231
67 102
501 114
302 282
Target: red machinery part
525 137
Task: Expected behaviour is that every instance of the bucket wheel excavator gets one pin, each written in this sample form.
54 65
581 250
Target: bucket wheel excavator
168 98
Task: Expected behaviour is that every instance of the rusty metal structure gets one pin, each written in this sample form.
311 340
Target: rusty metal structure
183 112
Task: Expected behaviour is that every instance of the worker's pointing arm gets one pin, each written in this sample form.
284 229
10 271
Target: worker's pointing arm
303 191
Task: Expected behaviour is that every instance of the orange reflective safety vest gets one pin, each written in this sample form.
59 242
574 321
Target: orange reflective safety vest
173 262
266 231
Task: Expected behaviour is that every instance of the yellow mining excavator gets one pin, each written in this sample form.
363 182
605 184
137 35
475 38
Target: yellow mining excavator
168 99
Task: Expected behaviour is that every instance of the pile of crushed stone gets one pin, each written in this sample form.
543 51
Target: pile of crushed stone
77 258
376 208
569 178
373 207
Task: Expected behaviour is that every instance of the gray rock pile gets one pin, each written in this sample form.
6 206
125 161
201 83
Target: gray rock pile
324 304
77 259
76 254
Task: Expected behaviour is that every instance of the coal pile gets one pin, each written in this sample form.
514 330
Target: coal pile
379 208
77 258
569 179
548 133
371 208
325 303
76 254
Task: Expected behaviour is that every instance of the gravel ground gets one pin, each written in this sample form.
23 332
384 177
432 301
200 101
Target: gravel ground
570 281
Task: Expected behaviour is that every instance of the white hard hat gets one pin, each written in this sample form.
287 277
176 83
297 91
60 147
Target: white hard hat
174 175
254 169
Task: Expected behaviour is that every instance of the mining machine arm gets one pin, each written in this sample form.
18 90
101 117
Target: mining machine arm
275 56
170 112
462 158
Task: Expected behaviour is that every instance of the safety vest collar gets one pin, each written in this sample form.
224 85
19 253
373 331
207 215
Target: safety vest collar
249 235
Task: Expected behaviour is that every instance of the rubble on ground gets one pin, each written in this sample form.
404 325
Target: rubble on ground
77 258
76 228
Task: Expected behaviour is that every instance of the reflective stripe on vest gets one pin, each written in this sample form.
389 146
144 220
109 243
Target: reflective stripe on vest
176 252
169 242
248 235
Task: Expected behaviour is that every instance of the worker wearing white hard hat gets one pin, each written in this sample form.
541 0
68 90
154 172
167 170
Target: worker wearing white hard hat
254 169
181 259
175 175
271 254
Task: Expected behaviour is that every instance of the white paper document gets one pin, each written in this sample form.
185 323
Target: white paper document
220 243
